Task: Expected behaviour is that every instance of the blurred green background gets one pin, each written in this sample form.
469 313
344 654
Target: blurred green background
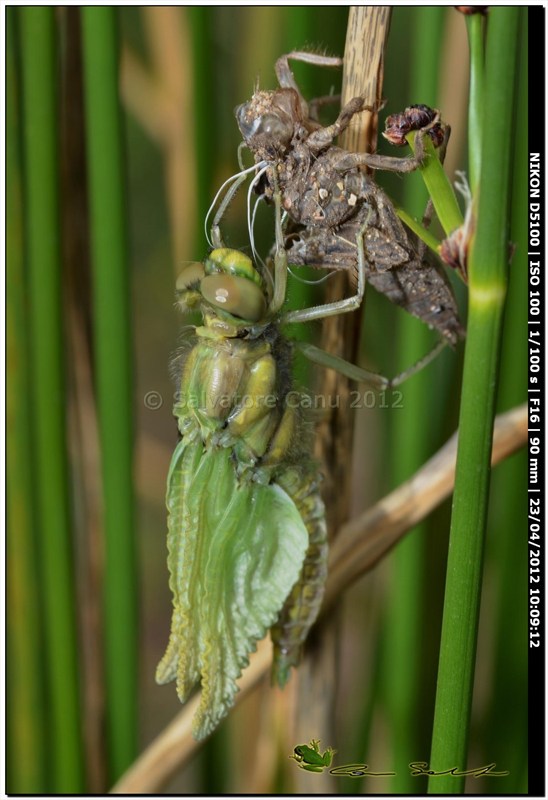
120 129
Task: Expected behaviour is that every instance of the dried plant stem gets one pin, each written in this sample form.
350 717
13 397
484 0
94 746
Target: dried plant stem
363 72
317 676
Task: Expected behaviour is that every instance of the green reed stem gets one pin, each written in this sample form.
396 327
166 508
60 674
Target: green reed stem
423 233
113 359
488 279
474 24
26 714
38 40
439 187
510 630
413 434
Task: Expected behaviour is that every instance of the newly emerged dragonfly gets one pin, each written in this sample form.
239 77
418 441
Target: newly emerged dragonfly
247 538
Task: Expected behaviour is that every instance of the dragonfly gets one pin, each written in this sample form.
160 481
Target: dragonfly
247 539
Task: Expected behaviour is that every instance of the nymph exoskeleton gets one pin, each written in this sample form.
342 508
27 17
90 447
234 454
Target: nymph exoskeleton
333 202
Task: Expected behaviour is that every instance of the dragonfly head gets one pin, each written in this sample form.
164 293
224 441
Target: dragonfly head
226 285
269 121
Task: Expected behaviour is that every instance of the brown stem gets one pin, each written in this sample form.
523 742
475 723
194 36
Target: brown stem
364 72
317 676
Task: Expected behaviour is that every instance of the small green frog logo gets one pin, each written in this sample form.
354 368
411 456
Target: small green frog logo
309 757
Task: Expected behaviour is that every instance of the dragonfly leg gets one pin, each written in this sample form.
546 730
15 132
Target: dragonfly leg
285 76
324 136
393 163
374 161
317 103
360 375
330 361
339 306
280 256
322 358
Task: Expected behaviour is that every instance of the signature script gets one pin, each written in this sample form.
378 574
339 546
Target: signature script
418 768
357 771
421 768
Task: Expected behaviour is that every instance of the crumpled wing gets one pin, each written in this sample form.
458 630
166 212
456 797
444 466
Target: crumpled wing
235 552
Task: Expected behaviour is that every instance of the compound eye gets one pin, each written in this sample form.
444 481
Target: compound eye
237 296
271 125
247 122
190 276
275 127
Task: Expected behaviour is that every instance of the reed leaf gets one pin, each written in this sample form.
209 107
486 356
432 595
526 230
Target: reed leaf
26 712
413 433
40 118
113 365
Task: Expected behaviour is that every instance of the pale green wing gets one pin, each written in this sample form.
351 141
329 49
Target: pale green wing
180 550
235 552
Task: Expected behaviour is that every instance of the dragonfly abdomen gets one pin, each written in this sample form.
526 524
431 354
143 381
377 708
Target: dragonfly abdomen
241 390
302 606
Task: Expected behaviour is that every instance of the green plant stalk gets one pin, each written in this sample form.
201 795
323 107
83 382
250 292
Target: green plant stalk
38 47
423 233
510 662
113 357
474 24
26 714
439 186
488 279
412 437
